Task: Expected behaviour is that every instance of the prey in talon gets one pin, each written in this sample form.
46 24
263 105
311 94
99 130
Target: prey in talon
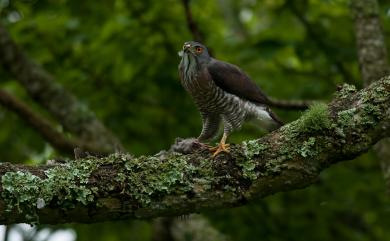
224 94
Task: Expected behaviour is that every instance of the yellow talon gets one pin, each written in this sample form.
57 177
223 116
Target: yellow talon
222 147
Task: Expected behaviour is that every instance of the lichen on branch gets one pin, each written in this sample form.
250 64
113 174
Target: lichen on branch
170 183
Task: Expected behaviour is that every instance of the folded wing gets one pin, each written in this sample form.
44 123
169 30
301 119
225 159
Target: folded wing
234 81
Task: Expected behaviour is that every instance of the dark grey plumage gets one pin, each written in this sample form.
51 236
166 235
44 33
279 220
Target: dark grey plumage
222 93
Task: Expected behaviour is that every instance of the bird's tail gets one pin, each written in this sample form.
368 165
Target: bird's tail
277 121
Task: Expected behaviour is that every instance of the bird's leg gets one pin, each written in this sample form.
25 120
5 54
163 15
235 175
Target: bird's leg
222 147
210 127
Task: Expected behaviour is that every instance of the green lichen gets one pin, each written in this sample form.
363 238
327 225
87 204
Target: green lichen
248 166
367 115
381 93
287 150
371 111
69 182
142 178
274 166
64 185
251 149
345 91
148 177
248 169
20 188
346 117
307 147
370 114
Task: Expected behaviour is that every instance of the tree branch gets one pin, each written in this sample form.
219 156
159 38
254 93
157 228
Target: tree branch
197 35
192 26
74 116
120 186
42 126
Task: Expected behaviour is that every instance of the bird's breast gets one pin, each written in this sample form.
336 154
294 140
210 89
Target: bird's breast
207 95
197 84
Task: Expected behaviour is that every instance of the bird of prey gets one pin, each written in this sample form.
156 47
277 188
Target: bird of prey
223 93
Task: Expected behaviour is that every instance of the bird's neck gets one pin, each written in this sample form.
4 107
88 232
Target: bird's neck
190 66
193 73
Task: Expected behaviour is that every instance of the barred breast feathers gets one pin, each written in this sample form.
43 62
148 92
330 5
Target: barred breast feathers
210 98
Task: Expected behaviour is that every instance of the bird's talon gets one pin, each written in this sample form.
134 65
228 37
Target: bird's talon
220 148
215 148
204 145
208 146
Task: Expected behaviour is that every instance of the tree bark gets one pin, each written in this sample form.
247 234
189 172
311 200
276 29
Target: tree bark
373 61
371 46
170 184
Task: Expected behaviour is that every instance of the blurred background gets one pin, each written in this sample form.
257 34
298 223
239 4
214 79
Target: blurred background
119 59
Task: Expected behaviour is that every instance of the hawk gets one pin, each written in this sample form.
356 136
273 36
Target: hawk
223 93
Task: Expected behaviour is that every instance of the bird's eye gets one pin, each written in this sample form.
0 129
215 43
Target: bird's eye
199 50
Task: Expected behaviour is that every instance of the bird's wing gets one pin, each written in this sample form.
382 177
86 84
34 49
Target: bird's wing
233 80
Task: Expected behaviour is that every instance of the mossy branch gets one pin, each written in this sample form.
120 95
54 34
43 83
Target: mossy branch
168 184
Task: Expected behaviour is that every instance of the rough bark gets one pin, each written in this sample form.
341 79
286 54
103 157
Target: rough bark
373 60
170 184
371 46
41 86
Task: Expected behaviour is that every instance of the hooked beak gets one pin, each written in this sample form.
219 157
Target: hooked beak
186 46
186 49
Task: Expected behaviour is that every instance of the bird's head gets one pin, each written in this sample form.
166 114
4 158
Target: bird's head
197 50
